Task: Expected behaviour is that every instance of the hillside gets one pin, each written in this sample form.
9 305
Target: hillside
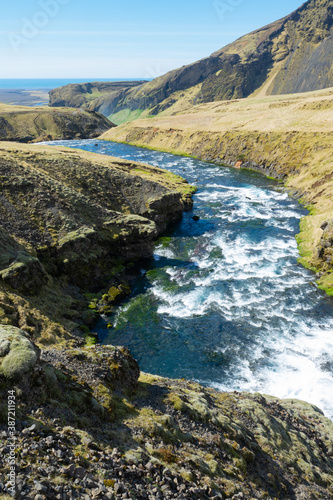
95 96
294 54
288 137
28 124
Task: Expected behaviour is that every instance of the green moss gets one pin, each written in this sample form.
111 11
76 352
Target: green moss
21 356
90 340
178 403
142 171
125 115
326 284
113 294
164 241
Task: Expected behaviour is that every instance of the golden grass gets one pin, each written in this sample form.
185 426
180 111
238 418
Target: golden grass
295 112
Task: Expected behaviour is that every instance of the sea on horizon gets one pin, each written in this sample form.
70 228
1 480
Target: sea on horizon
52 83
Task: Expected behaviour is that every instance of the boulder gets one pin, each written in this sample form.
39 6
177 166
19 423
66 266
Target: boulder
25 274
325 247
18 355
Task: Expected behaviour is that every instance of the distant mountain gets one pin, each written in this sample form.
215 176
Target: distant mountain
95 96
294 54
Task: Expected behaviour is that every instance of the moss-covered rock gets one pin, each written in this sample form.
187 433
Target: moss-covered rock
161 435
18 355
25 274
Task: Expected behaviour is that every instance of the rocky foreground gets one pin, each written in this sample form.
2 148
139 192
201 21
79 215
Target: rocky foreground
89 426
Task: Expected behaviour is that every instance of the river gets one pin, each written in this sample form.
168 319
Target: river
224 301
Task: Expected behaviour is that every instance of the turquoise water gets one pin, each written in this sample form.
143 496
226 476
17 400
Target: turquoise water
224 301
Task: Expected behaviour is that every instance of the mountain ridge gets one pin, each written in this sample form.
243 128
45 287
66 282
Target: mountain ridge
292 54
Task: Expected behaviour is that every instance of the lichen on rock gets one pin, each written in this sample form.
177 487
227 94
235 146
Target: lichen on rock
160 437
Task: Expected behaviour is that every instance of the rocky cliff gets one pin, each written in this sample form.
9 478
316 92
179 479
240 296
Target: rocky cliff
291 55
69 223
27 124
96 96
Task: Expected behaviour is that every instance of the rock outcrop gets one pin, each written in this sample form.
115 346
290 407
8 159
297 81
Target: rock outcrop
291 55
92 96
27 124
96 96
70 221
323 259
325 247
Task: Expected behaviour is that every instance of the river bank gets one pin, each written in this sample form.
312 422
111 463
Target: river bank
286 137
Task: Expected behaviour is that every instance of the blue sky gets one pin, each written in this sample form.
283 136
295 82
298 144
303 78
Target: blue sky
109 39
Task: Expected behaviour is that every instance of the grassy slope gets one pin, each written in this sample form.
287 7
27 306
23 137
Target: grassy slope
22 123
291 133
